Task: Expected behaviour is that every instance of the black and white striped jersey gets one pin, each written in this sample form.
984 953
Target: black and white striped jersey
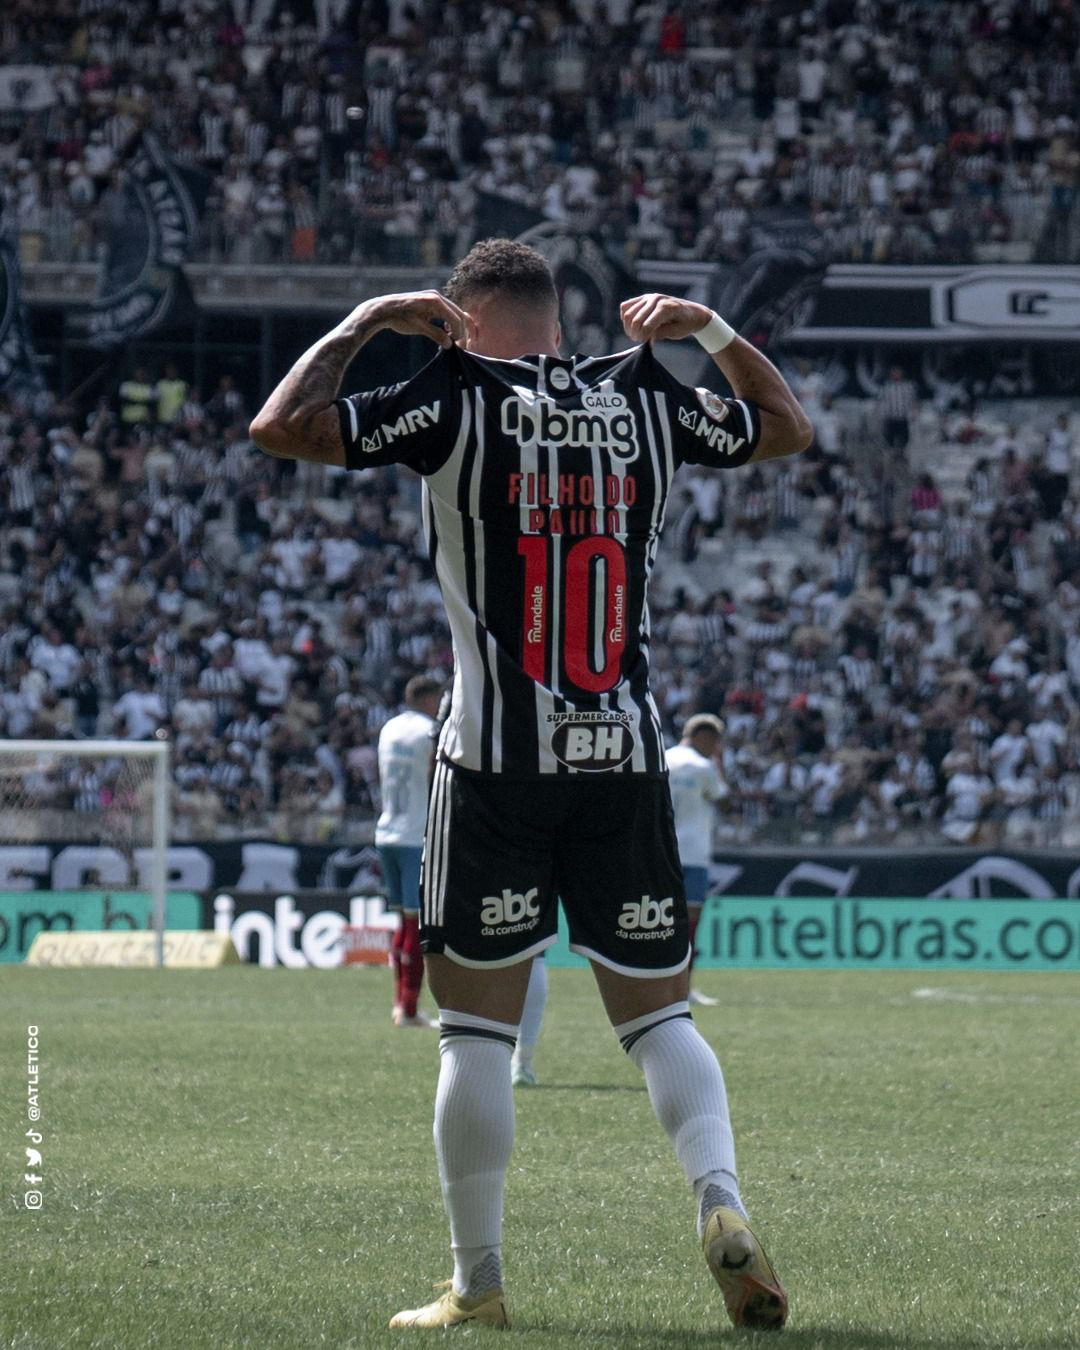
546 480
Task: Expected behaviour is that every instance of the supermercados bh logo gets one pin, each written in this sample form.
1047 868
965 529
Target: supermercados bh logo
592 742
603 421
707 423
416 419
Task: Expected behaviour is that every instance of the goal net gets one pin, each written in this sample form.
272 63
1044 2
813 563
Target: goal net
106 801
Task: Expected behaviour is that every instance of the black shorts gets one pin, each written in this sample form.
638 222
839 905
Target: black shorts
501 853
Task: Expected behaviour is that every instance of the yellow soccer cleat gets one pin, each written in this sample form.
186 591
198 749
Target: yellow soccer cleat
753 1295
453 1310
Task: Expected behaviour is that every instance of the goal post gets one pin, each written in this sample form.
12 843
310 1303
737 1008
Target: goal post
111 793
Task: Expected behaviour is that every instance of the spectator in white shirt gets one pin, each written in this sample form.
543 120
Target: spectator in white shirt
140 709
968 798
1008 750
340 555
56 658
274 678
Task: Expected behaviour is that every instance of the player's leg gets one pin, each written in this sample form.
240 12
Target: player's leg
391 876
412 956
696 883
523 1074
488 907
686 1087
628 916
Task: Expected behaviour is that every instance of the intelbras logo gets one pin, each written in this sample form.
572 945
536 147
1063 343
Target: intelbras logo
604 422
591 743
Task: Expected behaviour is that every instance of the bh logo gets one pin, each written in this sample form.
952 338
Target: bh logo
646 914
511 907
592 746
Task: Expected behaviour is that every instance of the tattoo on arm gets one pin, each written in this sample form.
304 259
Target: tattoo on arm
298 420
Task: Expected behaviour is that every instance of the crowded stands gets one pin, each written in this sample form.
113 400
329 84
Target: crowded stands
365 131
889 624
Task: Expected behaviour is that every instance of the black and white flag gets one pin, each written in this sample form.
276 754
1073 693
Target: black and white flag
142 282
773 289
19 370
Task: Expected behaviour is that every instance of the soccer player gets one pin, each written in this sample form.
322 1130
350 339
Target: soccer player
522 1070
696 787
405 754
545 482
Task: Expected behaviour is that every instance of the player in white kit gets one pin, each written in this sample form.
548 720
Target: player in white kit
406 748
696 787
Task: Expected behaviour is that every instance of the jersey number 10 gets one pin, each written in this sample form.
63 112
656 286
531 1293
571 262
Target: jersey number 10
594 578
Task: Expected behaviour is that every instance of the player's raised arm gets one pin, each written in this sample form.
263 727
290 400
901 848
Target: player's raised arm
299 420
785 428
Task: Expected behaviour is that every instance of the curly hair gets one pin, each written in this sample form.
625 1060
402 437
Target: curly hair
514 270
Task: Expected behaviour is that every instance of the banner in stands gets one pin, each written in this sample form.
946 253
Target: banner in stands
772 291
944 304
26 88
255 865
287 904
19 369
247 866
961 874
142 282
785 293
25 914
304 928
809 933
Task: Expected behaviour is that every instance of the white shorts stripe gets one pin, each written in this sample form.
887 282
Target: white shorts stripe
432 869
442 835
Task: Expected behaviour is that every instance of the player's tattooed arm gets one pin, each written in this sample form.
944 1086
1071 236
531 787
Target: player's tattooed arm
785 428
299 419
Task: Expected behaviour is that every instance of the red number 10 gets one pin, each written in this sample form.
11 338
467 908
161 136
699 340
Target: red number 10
581 561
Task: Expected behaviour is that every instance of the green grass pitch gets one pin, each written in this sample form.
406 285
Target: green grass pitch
243 1158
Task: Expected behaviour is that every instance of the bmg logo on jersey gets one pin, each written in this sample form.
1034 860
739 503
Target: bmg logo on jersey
605 422
510 912
591 745
645 919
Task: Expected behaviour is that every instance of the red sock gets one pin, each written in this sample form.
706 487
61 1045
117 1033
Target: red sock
412 963
395 961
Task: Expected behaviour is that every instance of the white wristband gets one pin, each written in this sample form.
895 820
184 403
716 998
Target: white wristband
716 335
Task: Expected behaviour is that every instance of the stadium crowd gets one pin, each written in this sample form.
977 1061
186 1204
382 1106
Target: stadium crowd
357 131
914 675
904 665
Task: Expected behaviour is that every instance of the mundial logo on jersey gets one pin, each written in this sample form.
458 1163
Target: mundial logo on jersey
603 421
593 743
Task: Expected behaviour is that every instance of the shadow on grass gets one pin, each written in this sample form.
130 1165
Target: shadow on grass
588 1087
799 1338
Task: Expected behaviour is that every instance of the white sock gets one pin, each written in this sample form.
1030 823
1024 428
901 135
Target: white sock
716 1188
531 1015
686 1088
474 1135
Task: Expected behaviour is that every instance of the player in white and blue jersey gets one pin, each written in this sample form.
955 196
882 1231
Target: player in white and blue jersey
405 753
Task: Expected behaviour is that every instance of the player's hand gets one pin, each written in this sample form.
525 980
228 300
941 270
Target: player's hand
421 314
662 318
